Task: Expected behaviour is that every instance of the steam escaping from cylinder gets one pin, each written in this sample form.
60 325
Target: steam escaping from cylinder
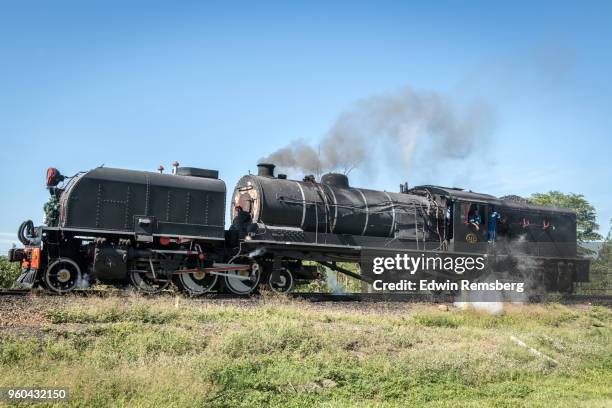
403 124
331 278
83 282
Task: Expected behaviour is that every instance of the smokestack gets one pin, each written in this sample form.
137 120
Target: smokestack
265 169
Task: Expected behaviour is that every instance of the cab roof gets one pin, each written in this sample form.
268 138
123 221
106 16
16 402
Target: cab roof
459 194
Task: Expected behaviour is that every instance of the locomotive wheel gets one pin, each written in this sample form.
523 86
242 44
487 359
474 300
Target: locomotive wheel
243 282
567 288
62 276
147 281
196 283
285 281
565 282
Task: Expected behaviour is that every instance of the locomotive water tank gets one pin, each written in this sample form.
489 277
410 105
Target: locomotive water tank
108 200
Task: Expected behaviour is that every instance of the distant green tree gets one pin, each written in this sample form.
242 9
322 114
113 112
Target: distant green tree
600 275
586 216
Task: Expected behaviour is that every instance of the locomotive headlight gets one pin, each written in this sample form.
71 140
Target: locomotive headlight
54 177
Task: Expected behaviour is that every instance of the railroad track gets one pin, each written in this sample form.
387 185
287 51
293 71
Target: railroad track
430 298
316 297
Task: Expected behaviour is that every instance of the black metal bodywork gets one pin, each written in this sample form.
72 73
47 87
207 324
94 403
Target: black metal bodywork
129 202
112 222
332 208
530 229
332 222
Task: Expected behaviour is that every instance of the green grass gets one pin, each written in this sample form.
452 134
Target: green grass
155 352
9 272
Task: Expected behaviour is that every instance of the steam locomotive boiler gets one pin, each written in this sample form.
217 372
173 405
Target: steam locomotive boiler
330 207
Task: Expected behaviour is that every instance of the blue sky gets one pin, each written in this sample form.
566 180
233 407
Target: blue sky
219 85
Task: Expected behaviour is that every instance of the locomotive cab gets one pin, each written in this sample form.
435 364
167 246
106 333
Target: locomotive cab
470 226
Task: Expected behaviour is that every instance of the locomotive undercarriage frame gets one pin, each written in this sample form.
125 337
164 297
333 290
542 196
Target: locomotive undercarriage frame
67 260
547 274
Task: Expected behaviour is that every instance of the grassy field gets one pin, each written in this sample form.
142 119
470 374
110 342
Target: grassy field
272 351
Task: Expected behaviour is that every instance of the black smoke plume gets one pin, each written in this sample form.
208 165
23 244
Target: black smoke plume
401 124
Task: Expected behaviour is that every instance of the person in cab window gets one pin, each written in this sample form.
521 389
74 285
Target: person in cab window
474 219
492 224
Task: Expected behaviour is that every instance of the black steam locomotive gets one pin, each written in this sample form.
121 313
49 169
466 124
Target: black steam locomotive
153 230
